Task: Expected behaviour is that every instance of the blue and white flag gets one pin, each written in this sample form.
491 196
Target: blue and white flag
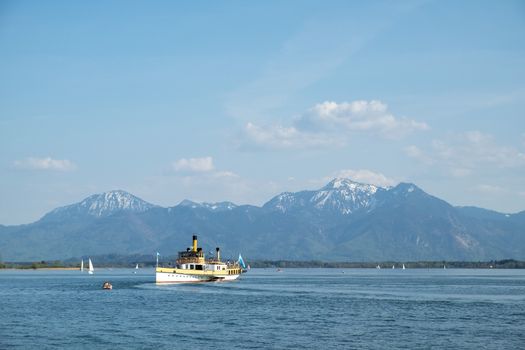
241 262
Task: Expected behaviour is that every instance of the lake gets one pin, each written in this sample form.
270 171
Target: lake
265 309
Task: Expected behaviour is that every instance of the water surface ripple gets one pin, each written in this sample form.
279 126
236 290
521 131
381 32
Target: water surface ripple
266 309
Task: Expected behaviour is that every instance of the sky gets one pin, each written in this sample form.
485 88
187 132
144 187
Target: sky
239 101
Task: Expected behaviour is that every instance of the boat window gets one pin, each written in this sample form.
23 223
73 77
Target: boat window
198 267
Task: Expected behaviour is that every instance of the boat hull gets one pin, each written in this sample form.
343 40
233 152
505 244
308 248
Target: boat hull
175 277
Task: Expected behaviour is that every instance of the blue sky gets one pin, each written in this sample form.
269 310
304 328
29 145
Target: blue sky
241 100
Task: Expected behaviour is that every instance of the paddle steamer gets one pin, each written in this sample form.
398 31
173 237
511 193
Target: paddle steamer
192 266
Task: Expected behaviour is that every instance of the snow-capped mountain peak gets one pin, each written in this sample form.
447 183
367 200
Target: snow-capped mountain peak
342 184
219 206
345 195
341 195
106 203
113 201
188 203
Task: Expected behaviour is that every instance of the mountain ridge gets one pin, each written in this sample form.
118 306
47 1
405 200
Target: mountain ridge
343 220
103 204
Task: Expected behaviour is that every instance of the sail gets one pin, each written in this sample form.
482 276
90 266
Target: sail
90 269
82 265
241 262
137 267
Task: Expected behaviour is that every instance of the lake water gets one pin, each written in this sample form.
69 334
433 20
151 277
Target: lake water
266 309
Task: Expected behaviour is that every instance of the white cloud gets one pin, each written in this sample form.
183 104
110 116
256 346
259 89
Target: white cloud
366 176
46 163
358 175
225 174
196 165
415 152
459 172
372 116
473 148
490 189
281 137
200 170
462 154
330 124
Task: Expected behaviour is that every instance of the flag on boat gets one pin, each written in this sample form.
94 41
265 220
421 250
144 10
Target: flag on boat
241 262
158 254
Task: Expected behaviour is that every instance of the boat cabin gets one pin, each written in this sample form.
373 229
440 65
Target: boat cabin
193 259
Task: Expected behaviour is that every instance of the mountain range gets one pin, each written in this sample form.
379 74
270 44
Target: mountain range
342 221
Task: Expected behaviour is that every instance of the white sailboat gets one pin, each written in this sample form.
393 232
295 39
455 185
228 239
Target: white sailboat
403 266
82 265
378 267
137 267
90 268
393 267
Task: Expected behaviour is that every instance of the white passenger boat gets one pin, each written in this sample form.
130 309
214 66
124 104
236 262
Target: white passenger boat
192 266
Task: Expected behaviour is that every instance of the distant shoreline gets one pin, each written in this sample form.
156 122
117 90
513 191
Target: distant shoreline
107 263
495 264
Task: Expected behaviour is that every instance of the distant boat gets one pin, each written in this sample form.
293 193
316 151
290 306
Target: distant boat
137 267
378 267
444 267
82 265
403 266
90 269
242 264
393 267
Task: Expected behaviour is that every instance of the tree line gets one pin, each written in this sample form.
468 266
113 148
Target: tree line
117 260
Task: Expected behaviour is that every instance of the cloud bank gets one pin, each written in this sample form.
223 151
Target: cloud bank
47 163
372 116
330 124
194 165
200 169
461 154
366 176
